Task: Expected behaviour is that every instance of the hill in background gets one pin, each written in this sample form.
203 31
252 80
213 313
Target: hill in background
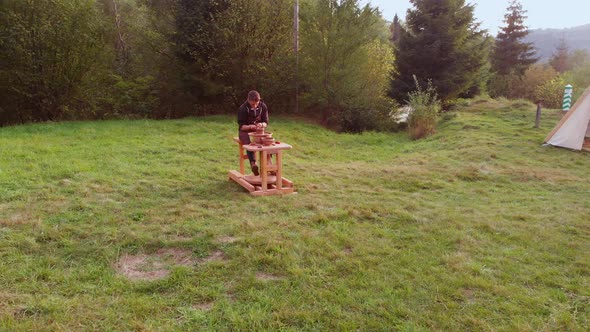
546 40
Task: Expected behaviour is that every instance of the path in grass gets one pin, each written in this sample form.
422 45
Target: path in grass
476 228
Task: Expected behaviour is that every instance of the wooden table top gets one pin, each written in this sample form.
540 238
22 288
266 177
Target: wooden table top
259 147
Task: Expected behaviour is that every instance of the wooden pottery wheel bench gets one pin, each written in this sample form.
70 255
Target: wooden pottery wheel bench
271 180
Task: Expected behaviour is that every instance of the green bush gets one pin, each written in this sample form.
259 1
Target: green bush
509 86
551 92
535 76
425 108
377 118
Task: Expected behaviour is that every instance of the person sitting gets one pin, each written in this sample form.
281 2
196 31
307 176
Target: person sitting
252 116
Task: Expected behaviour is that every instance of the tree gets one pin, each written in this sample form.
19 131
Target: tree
579 58
346 62
442 43
395 30
47 48
230 47
510 54
560 60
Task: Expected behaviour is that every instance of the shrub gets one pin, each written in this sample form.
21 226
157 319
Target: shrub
534 77
378 117
425 107
551 92
509 86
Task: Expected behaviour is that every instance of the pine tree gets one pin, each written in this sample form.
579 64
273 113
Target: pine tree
395 30
440 42
510 54
560 61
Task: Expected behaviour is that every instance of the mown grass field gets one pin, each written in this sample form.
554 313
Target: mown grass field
476 228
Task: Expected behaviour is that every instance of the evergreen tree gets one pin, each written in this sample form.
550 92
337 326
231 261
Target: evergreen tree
442 43
510 54
560 61
395 30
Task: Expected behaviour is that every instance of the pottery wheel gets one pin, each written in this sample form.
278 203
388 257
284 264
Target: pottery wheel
257 180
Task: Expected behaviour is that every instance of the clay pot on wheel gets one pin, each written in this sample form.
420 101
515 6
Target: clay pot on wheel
268 141
257 138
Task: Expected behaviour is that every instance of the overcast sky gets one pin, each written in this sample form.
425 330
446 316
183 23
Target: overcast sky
542 14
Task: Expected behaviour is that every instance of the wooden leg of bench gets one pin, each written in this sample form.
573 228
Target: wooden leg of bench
241 151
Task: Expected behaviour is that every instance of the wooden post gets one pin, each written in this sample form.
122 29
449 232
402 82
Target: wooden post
263 169
241 153
538 117
279 163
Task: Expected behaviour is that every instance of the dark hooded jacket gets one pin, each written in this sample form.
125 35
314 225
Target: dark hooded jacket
250 116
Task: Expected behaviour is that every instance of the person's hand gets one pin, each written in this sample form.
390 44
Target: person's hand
259 126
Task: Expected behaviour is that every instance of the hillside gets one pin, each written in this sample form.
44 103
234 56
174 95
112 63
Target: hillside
546 40
133 225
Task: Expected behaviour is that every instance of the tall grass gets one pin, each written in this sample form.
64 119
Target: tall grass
425 107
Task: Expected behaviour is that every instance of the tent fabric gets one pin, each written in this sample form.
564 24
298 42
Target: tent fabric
571 130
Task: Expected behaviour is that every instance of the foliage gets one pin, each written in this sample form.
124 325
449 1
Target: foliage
560 60
395 30
514 86
231 47
536 75
47 49
508 86
551 92
579 58
510 54
579 77
345 63
440 42
425 107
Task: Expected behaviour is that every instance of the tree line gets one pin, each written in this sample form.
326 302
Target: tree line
101 59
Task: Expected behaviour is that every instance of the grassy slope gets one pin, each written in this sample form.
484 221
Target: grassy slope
476 228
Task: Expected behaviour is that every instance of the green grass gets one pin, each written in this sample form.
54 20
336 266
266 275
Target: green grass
478 228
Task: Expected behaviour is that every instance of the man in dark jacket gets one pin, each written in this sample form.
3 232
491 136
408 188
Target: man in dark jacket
252 115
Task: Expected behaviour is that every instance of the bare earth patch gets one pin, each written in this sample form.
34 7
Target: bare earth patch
227 239
154 266
217 255
205 306
267 277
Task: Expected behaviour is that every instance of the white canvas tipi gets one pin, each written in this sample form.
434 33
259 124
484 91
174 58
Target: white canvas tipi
574 127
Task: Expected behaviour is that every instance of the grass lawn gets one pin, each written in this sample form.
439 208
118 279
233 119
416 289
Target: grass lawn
133 225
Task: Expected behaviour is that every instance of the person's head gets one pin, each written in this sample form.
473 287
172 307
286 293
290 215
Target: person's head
253 98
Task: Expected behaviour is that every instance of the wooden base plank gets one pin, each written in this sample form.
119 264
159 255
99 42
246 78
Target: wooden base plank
257 190
287 182
239 178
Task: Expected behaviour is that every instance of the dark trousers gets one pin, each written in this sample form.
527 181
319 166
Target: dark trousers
251 156
245 139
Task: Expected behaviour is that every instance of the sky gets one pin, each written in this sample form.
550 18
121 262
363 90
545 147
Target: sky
542 14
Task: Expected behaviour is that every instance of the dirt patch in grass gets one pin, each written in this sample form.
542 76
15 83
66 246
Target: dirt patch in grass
18 218
205 306
153 266
267 277
217 255
227 239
